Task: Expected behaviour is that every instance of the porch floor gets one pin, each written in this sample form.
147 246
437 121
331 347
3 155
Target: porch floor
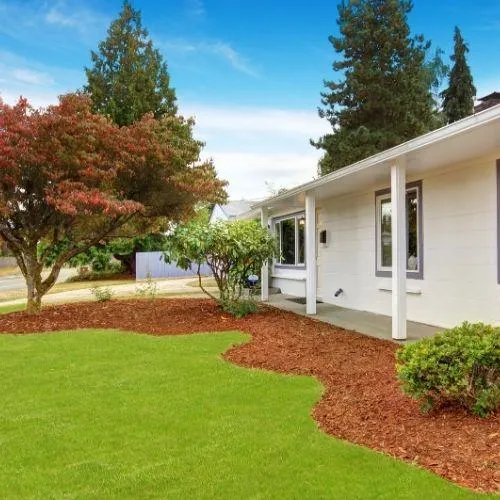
374 325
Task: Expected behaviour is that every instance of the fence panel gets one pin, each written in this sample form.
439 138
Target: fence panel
152 263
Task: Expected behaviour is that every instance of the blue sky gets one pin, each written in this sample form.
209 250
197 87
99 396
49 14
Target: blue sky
249 71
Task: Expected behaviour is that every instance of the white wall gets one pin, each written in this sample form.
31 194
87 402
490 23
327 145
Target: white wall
289 281
460 250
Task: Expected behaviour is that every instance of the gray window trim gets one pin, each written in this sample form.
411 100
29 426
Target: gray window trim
498 221
413 275
274 221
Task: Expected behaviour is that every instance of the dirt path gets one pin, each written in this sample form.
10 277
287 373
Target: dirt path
362 402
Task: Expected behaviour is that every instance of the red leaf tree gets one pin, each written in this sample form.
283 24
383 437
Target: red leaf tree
70 178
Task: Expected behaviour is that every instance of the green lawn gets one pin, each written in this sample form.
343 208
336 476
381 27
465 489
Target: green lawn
12 308
103 414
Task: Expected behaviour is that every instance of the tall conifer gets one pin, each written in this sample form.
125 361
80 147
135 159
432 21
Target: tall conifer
384 96
458 98
128 77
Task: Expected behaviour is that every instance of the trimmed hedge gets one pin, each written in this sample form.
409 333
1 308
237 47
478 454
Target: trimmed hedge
460 365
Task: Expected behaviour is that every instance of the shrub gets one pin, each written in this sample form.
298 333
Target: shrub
115 271
233 251
102 294
460 365
149 289
240 308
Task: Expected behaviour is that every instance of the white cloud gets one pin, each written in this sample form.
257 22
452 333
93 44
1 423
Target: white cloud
26 75
235 59
56 16
196 8
39 83
256 120
252 147
250 174
222 50
51 24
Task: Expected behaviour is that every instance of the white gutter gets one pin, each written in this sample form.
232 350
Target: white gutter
420 142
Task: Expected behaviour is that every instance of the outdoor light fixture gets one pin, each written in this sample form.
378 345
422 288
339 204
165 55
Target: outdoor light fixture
252 280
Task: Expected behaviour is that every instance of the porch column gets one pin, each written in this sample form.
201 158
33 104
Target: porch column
310 254
264 273
398 212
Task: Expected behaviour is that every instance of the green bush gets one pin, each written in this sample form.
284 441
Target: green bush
460 365
102 294
115 271
240 308
149 289
233 250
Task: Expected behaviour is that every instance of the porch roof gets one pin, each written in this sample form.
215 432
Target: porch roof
475 136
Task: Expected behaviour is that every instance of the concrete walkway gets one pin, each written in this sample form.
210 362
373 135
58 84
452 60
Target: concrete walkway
374 325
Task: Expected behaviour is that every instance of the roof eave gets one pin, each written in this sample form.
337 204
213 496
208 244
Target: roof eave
422 141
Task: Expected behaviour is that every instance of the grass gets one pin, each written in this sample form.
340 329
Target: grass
12 308
206 282
103 414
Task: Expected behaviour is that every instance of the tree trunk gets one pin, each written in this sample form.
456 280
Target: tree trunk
127 261
34 299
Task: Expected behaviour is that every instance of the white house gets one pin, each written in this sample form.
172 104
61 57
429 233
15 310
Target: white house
411 232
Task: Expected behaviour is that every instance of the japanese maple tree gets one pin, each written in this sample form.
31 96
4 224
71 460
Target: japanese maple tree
70 178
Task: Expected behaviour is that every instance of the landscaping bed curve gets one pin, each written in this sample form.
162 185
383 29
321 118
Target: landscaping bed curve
362 402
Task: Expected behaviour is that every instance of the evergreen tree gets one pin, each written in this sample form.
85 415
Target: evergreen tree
385 95
458 98
129 77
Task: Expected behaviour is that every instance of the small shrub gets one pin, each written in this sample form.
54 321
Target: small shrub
115 271
149 289
240 308
460 365
102 294
233 250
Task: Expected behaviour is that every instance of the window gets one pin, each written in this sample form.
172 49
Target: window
290 232
414 236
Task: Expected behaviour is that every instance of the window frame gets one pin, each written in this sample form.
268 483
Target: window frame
385 271
296 216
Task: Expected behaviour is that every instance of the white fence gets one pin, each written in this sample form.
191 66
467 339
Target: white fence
153 264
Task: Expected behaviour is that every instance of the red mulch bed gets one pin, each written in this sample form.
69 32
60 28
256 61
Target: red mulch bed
362 402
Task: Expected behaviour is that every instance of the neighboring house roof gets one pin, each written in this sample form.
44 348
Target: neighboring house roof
493 95
487 102
234 208
466 139
231 210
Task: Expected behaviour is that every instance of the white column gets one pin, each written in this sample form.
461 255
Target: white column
264 273
398 212
310 254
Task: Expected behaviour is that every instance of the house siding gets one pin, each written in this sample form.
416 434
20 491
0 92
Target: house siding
460 250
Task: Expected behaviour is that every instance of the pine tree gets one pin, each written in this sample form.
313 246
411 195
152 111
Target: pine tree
458 98
384 97
129 77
